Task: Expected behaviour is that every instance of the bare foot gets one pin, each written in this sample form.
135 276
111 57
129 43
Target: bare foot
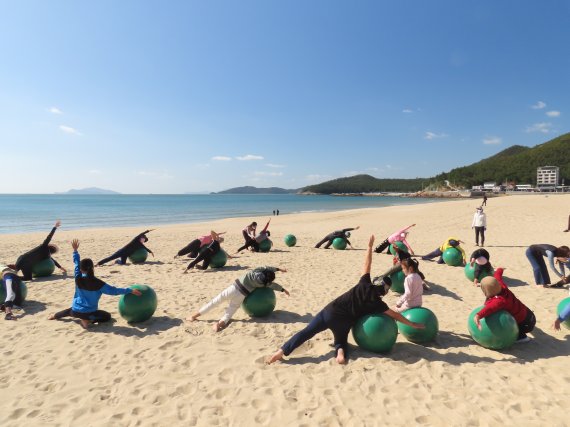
278 355
193 317
340 359
219 326
84 323
51 316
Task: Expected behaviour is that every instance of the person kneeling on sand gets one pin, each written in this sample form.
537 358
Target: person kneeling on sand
261 277
342 313
499 297
88 291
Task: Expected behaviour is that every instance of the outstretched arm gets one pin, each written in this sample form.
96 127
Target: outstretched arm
52 232
397 316
266 226
368 256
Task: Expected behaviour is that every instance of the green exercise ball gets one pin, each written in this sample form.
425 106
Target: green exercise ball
400 245
290 240
43 268
339 243
219 259
397 282
265 245
452 257
470 272
134 308
375 332
260 303
139 256
419 315
561 306
23 291
498 331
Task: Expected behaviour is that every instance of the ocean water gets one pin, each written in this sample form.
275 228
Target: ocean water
28 213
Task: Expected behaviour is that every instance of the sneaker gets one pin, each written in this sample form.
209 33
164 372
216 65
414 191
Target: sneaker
522 340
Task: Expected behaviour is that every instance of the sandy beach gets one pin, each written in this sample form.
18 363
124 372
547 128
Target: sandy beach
170 372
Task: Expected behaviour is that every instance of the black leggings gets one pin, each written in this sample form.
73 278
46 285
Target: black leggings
385 244
192 248
480 231
527 325
206 256
121 253
250 243
98 316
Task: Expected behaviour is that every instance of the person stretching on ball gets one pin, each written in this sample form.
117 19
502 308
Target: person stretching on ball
342 313
261 277
88 291
342 234
129 249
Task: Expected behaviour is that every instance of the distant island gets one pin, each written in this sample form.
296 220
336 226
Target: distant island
89 191
255 190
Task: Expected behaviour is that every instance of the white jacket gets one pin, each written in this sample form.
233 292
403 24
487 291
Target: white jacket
479 220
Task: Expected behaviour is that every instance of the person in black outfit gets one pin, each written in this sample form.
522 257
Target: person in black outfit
249 237
480 258
484 200
341 314
343 234
26 262
206 255
133 246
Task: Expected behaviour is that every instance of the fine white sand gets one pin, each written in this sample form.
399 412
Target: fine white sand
169 372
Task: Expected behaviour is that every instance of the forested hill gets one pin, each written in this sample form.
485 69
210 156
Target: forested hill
516 163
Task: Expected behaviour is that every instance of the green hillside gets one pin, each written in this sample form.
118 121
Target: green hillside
516 163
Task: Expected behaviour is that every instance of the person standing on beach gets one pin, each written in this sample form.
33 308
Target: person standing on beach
277 212
484 200
192 248
26 262
343 234
261 277
126 251
536 254
249 237
479 223
398 236
341 314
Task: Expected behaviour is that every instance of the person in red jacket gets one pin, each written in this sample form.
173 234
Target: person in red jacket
500 297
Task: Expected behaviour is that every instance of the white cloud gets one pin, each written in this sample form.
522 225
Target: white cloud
315 177
69 130
95 172
268 173
538 106
373 169
222 158
491 140
55 110
539 127
154 174
433 135
553 113
273 165
249 157
407 110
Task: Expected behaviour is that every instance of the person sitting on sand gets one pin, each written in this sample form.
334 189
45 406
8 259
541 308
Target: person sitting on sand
480 258
413 286
126 251
451 242
249 237
398 236
341 314
26 262
343 234
206 255
88 291
536 254
261 277
11 282
499 297
193 248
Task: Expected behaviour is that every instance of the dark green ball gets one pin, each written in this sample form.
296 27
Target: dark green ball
398 282
260 303
290 240
452 257
139 256
375 332
339 243
43 268
134 308
419 315
265 245
498 331
400 245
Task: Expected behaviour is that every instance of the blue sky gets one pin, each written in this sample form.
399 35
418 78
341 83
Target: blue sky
185 96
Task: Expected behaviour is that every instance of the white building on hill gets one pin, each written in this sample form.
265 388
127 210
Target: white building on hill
547 176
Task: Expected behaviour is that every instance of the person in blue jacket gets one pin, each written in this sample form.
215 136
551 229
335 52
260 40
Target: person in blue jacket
88 291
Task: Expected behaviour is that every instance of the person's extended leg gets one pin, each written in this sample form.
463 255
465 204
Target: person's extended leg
340 332
199 258
317 324
60 314
432 254
382 246
526 326
318 245
99 316
208 255
482 231
544 270
222 296
535 266
477 231
236 298
116 255
329 243
190 248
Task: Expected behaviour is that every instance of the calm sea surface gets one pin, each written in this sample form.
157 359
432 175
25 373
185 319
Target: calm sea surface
27 213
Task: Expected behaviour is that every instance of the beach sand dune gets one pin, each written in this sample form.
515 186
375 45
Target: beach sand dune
169 372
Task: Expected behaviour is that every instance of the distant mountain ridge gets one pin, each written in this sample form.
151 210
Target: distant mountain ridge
90 190
255 190
516 163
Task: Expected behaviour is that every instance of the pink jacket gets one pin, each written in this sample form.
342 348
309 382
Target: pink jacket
397 237
413 291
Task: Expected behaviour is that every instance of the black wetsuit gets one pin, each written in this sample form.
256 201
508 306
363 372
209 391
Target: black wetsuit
249 242
191 248
126 251
206 255
329 238
40 253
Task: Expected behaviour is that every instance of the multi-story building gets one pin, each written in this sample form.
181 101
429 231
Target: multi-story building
547 176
